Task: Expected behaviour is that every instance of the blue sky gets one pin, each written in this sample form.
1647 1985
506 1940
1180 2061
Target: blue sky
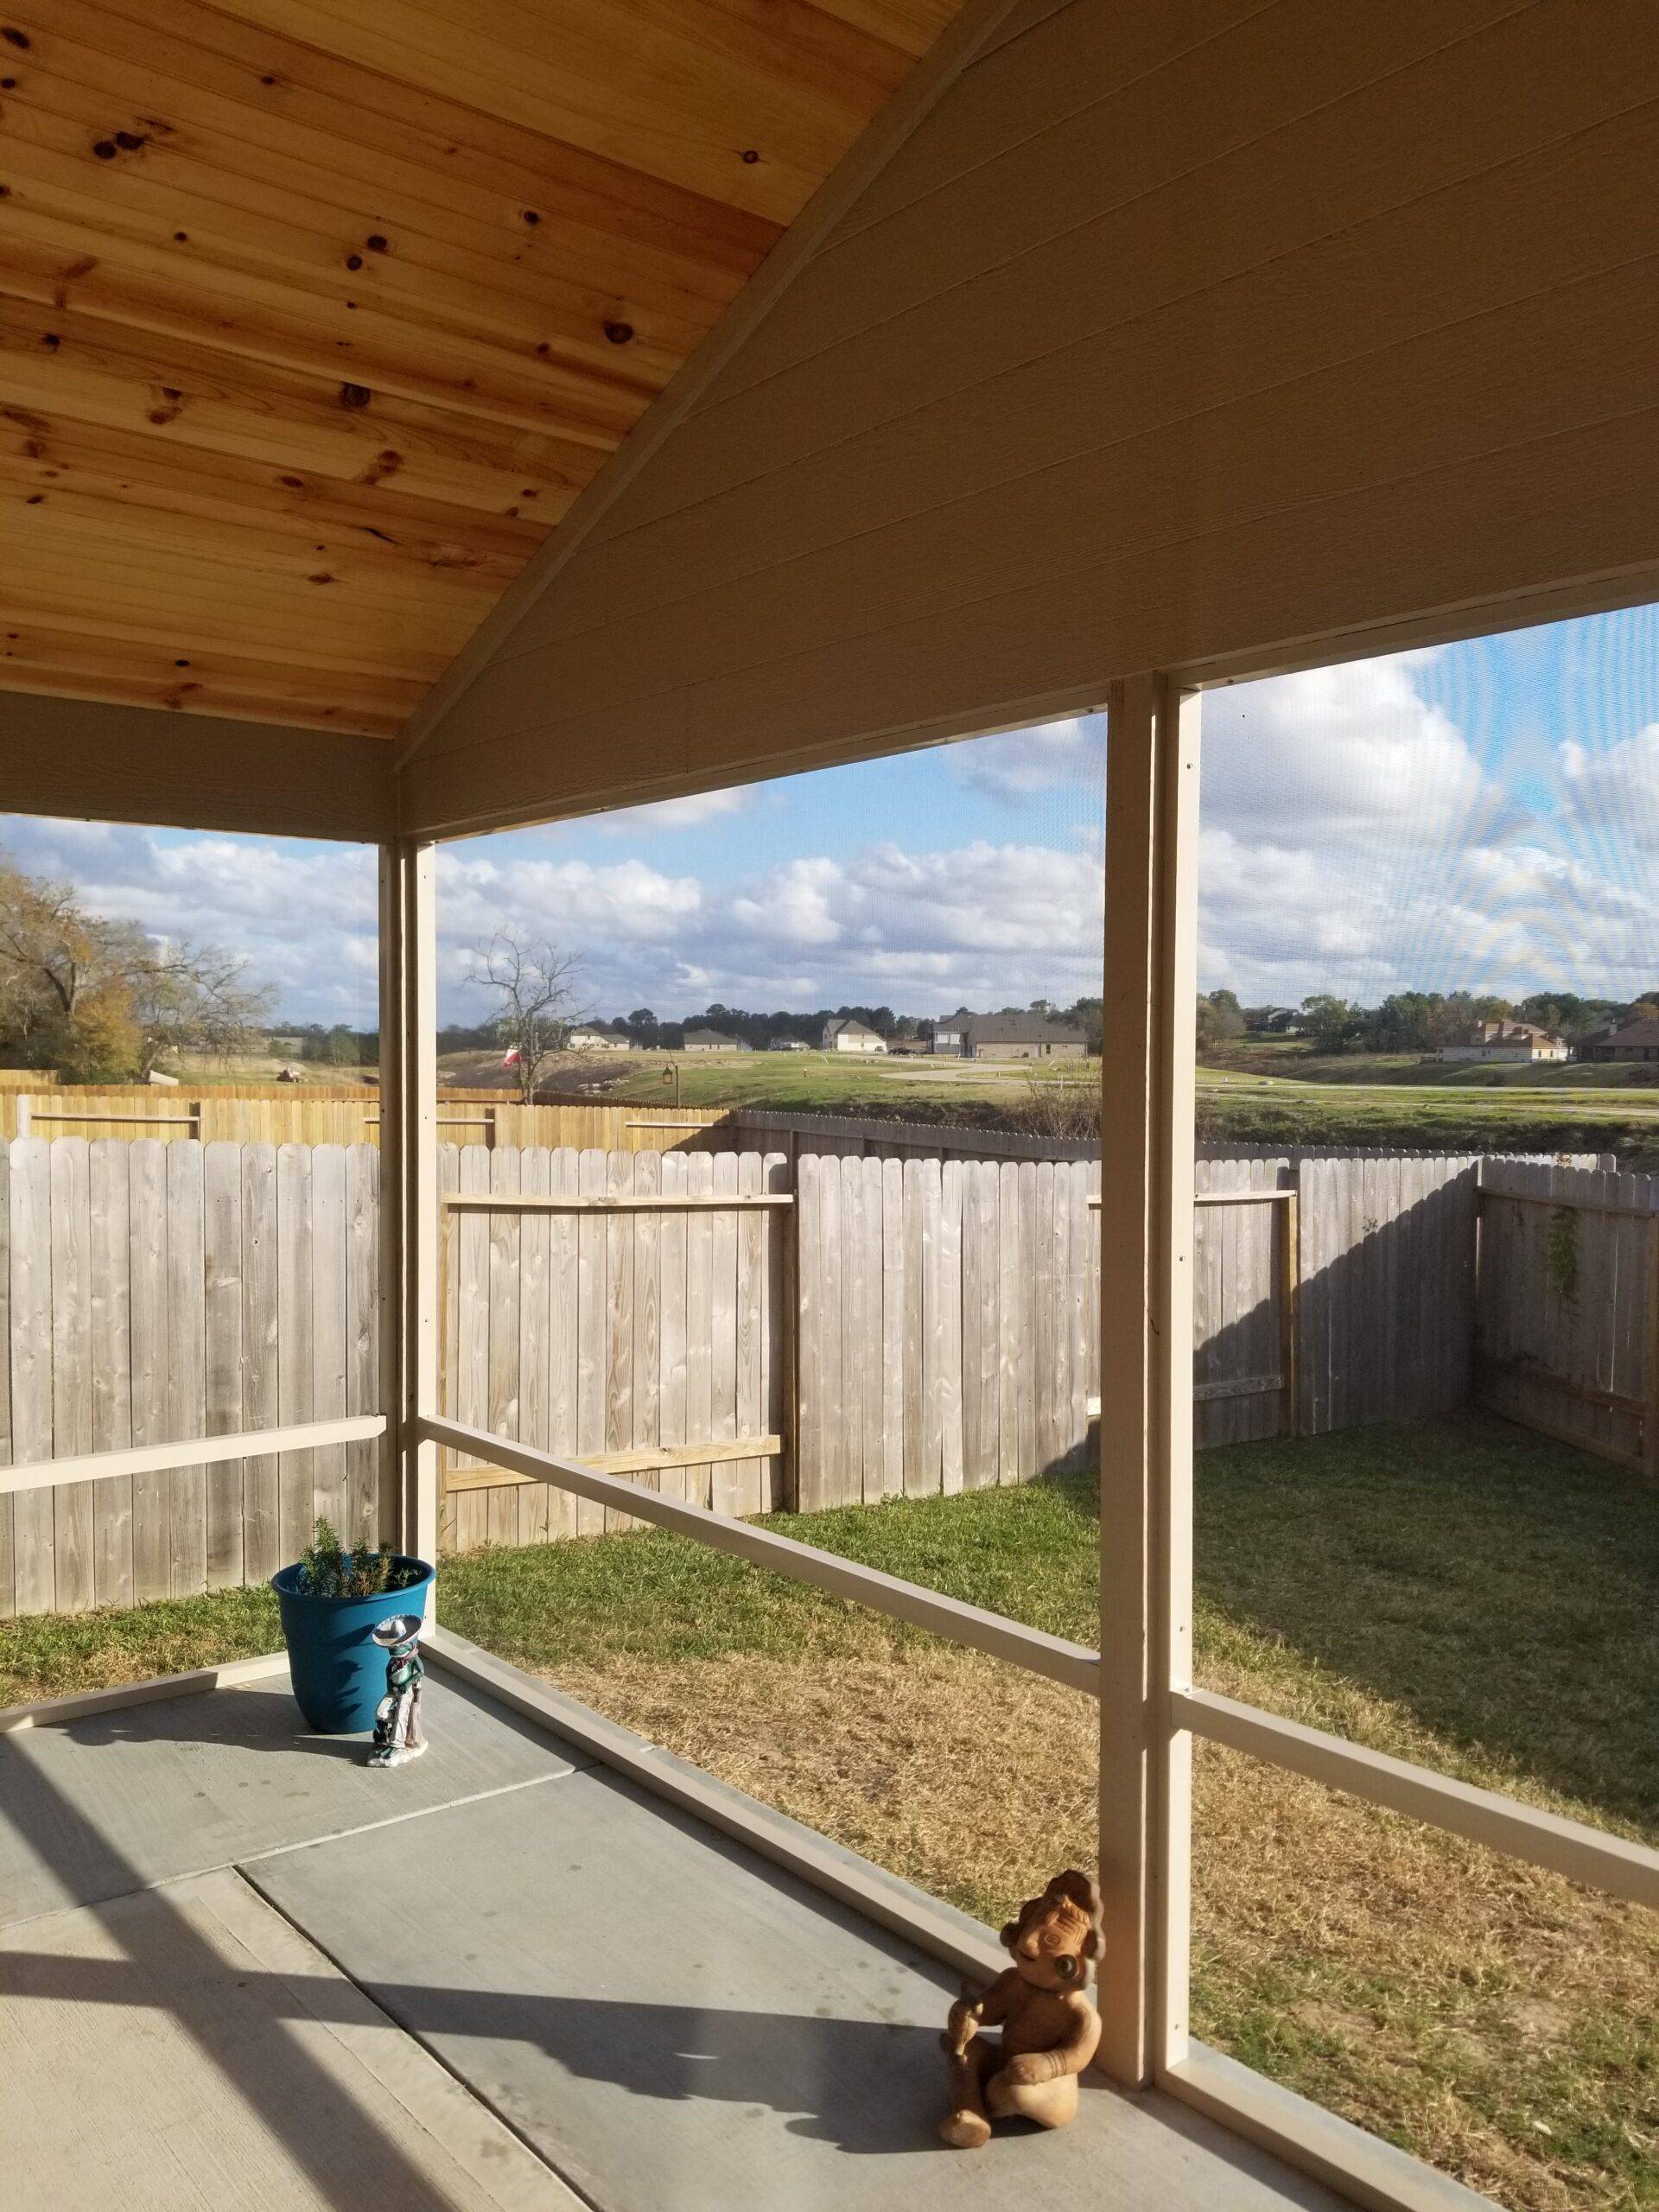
1484 816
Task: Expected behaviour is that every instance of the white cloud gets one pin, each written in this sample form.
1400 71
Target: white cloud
1344 756
691 812
1001 922
1353 841
1609 798
1354 838
1014 765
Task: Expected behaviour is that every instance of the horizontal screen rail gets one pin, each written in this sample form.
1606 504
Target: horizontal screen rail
542 1202
1040 1654
1225 1198
193 1451
1570 1847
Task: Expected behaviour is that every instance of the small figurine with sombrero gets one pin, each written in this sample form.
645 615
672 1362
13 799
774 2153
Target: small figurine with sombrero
398 1736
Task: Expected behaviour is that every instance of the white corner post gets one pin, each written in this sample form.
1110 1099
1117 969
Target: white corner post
408 1184
1146 1371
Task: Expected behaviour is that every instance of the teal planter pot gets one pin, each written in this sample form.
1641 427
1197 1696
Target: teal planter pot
339 1675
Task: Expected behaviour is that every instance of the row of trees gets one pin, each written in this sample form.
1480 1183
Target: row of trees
103 1002
1415 1021
760 1029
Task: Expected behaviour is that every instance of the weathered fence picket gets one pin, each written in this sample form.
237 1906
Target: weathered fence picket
624 1306
152 1291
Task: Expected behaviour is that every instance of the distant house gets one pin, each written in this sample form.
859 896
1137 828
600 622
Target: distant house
787 1044
847 1036
712 1040
598 1040
1503 1041
1636 1040
1009 1037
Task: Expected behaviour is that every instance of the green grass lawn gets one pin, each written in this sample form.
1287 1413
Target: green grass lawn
1458 1594
1272 1095
898 1085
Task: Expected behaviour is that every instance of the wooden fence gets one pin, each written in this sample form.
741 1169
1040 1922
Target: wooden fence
278 1113
629 1308
947 1336
745 1330
1569 1306
155 1291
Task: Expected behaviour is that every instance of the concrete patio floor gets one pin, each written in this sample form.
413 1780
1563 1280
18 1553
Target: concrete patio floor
238 1970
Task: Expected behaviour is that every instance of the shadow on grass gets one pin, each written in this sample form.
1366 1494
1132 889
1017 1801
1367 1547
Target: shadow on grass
1498 1587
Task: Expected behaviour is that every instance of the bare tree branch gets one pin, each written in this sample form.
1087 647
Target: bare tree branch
534 988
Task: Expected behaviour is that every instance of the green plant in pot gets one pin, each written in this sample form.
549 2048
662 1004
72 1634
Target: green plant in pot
332 1598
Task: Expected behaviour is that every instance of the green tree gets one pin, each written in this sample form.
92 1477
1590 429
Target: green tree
1332 1024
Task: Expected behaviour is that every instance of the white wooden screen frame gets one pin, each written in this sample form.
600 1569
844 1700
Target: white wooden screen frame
1149 1708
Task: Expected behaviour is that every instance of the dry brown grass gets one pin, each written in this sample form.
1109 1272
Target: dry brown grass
1487 2015
973 1780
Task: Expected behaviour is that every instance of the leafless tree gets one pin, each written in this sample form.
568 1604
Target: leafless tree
534 989
192 998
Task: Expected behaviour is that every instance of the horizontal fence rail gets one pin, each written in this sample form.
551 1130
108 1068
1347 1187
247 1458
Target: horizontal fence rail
1623 1869
1040 1653
193 1451
1570 1847
189 1363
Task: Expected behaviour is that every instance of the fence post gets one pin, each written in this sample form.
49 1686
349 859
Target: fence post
1290 1296
789 1291
1650 1414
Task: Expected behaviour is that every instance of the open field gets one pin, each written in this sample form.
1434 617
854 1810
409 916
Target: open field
1253 1094
201 1072
1237 1108
1460 1593
1291 1058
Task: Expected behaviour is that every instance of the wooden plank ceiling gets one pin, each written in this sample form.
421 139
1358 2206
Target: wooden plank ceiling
315 315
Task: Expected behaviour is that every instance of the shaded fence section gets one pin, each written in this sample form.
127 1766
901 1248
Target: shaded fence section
153 1292
949 1320
1568 1306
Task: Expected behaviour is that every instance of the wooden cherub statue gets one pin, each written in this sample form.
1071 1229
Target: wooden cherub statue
1050 2026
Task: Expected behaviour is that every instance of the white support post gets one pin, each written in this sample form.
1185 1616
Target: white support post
1146 1364
408 1184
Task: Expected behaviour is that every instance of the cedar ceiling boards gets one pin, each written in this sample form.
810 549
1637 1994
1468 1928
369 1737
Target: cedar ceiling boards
315 319
1173 335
